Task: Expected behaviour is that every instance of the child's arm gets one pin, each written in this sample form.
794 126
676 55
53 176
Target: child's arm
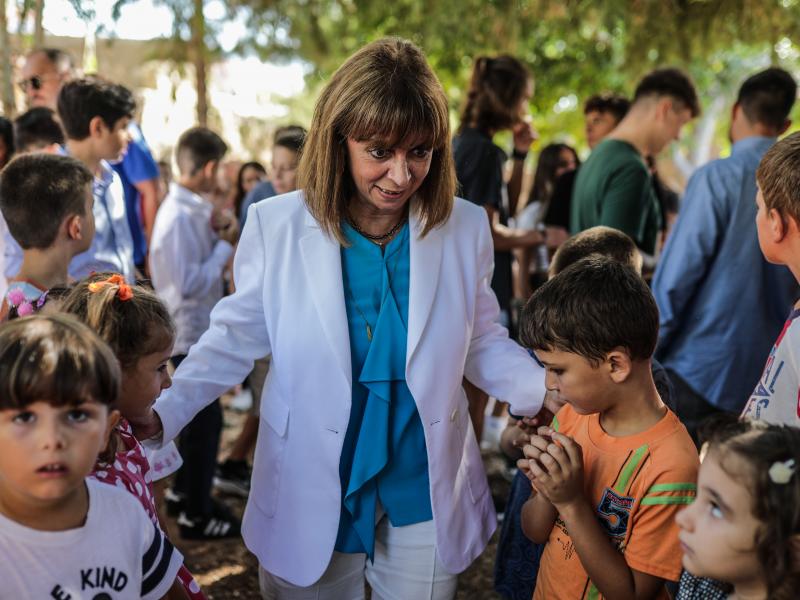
538 518
559 476
538 514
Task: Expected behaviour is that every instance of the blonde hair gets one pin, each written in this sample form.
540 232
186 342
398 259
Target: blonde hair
385 91
779 178
132 326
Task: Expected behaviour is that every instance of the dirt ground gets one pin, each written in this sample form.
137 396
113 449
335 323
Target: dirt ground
226 570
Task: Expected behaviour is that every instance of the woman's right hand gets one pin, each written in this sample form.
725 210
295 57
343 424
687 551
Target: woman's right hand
146 427
524 134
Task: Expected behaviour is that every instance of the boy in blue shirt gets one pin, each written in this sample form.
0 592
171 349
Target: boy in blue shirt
95 115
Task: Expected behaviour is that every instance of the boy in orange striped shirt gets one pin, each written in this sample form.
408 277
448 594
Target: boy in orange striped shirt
616 466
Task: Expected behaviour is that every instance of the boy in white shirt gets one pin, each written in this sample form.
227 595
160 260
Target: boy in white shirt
776 398
187 259
62 536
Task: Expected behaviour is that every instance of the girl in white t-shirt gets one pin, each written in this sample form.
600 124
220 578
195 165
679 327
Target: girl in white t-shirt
61 535
138 328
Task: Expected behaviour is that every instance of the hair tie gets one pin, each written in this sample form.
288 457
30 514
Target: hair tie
124 292
781 471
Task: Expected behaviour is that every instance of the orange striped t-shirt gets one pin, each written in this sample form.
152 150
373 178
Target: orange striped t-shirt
637 484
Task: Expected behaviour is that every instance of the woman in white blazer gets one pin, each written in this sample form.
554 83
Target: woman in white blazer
370 290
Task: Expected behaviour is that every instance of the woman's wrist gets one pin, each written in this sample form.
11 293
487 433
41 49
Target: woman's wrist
517 154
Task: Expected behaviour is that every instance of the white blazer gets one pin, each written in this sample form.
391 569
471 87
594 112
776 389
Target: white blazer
289 303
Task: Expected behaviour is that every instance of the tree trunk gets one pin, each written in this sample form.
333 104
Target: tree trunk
9 106
198 49
38 28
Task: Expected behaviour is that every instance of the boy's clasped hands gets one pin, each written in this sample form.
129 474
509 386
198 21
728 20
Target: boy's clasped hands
553 463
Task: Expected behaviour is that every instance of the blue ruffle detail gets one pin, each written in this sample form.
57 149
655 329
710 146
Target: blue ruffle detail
383 367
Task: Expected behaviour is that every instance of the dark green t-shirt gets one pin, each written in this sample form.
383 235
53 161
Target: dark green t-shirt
614 188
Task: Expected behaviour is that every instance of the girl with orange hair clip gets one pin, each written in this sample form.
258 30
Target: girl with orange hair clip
137 326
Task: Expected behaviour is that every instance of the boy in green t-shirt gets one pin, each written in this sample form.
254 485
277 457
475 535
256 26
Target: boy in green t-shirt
613 187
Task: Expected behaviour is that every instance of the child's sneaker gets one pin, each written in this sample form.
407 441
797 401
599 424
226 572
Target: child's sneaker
174 502
233 477
220 524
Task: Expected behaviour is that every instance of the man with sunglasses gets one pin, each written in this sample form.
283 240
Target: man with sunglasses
44 72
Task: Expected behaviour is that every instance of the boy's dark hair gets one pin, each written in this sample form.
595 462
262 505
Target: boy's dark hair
133 328
291 137
37 192
778 176
37 129
56 359
7 135
197 147
81 100
757 446
608 103
601 240
590 308
767 97
669 82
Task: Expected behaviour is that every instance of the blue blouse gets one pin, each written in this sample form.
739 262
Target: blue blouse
384 456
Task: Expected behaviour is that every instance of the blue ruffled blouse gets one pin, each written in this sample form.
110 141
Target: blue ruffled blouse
384 458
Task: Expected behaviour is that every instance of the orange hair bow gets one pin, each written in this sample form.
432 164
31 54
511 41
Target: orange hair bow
124 293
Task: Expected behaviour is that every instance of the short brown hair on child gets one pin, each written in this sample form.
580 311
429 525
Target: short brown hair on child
81 100
37 192
592 307
197 147
778 176
602 240
56 359
130 319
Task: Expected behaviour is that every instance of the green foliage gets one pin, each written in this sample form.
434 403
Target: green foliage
574 48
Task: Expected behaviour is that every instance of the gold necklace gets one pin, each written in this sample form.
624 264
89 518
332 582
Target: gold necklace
355 302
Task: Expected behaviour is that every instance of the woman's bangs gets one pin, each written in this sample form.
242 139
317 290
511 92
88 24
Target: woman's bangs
402 119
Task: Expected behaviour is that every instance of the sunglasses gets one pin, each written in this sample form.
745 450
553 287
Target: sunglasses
36 82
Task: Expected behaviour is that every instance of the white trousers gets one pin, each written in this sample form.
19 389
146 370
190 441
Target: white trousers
405 568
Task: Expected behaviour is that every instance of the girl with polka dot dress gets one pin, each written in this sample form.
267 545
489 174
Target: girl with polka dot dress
741 536
137 326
